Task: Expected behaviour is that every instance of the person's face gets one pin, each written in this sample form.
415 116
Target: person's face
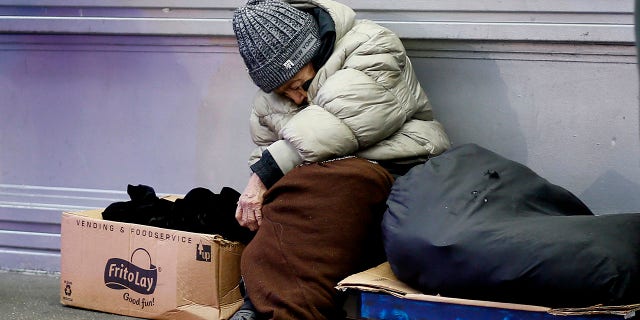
294 89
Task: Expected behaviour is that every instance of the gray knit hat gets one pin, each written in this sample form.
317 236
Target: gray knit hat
275 40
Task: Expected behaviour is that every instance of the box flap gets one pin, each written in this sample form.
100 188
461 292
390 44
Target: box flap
94 214
97 213
377 279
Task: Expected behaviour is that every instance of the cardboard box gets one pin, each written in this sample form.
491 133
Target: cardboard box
383 296
147 272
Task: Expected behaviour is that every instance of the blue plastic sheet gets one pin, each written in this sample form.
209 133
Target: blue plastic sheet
384 306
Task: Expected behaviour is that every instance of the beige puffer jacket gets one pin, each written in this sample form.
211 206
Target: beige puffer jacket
365 101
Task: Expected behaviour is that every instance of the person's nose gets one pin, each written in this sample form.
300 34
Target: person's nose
299 96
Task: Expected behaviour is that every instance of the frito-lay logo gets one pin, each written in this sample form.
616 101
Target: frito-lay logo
137 274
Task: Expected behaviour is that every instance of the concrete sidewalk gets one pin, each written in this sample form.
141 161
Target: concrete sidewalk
32 296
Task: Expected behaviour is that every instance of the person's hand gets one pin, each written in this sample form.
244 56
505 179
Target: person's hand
249 210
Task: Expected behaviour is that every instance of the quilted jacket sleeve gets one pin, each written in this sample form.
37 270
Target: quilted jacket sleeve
265 130
363 102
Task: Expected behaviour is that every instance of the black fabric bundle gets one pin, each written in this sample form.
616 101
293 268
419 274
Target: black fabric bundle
472 224
201 211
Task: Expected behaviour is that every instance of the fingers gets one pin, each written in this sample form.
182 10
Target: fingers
239 214
250 220
248 215
249 210
258 214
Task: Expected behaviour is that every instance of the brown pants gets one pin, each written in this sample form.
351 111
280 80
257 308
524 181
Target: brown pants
321 223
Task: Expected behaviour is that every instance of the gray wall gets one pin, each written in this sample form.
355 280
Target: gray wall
95 97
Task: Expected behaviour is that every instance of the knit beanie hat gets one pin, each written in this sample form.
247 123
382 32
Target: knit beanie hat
275 40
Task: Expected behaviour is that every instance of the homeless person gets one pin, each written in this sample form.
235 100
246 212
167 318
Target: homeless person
339 113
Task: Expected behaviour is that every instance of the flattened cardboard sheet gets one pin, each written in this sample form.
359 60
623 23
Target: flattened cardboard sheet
381 279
